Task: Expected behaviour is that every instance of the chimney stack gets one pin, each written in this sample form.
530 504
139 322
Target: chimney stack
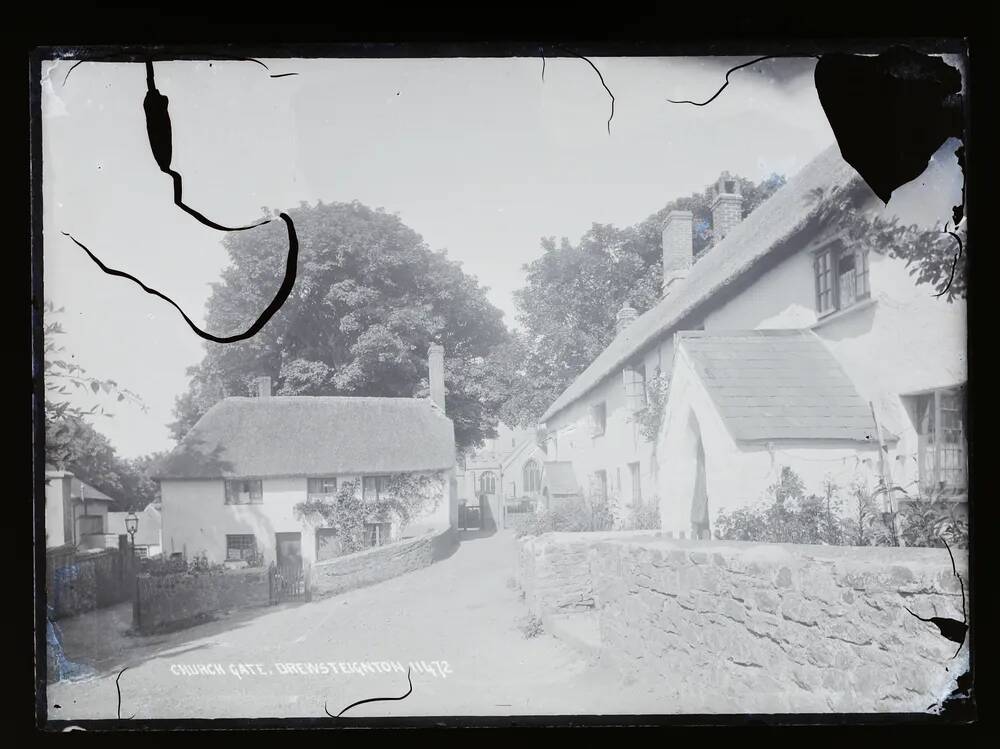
435 374
263 387
727 207
625 317
678 247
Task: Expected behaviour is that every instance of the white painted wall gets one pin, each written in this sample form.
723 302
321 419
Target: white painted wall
196 518
903 341
569 436
55 529
738 474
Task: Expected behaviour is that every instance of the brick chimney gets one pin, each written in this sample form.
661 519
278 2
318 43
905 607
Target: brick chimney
435 373
678 247
625 317
727 207
263 387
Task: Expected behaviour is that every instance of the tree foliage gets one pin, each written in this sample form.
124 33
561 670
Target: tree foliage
567 307
72 443
369 299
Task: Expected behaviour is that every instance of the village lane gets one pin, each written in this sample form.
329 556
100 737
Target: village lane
461 612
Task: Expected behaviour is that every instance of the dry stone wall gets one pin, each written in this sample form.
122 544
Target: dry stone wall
741 627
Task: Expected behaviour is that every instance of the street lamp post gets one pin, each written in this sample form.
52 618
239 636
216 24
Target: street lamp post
131 526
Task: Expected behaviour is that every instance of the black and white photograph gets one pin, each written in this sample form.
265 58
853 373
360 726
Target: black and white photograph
553 382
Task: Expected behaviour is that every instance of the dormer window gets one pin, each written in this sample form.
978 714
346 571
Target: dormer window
841 278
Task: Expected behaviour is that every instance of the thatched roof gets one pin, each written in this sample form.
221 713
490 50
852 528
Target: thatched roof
313 436
775 223
778 385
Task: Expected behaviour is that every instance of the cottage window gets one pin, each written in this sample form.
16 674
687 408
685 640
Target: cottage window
634 377
841 278
240 547
633 469
488 483
322 488
378 534
374 487
941 450
532 477
599 419
244 492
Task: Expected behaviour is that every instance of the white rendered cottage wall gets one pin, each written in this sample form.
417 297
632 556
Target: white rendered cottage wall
738 474
569 434
196 518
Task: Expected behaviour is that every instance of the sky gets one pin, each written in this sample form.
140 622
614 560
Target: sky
481 157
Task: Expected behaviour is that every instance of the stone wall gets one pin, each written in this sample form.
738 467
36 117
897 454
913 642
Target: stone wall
740 627
179 599
380 563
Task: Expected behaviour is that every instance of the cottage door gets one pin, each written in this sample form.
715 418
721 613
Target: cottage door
289 548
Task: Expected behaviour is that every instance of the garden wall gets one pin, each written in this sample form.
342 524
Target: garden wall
174 600
381 563
741 627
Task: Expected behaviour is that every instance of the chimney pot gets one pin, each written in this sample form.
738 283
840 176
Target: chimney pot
678 246
727 207
626 315
263 387
435 374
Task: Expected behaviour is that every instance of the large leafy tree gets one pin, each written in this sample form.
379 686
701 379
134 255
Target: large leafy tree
567 308
369 299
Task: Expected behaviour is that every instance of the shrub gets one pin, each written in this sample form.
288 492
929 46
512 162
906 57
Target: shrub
788 515
644 517
530 626
572 515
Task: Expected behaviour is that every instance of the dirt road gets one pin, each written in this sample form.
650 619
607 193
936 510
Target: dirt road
456 622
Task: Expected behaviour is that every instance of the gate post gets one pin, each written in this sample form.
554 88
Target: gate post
307 582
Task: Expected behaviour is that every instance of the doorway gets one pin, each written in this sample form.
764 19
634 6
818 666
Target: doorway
289 550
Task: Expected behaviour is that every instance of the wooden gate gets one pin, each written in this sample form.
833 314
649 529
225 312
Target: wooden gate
287 582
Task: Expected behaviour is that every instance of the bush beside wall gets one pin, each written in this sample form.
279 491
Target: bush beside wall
743 627
380 563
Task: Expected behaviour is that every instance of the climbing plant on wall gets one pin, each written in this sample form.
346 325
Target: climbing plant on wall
400 498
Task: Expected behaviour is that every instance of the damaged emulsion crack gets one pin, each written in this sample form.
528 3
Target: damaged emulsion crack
951 278
159 132
373 699
723 87
951 629
118 687
591 64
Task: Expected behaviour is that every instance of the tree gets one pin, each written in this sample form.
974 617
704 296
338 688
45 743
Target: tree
573 292
369 299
